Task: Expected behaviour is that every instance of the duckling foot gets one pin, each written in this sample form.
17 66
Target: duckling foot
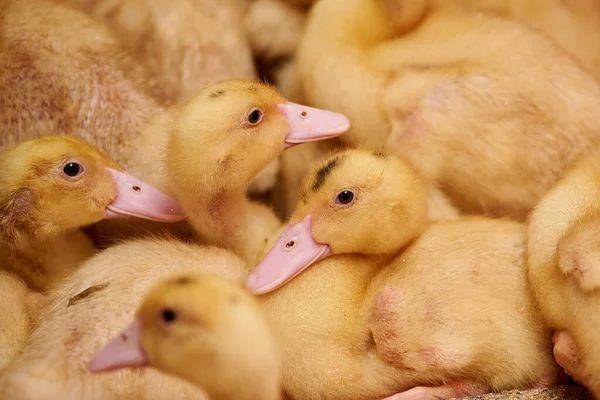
454 390
566 354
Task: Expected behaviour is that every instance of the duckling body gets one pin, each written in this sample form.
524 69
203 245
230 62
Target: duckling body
18 310
55 185
563 268
206 330
426 94
443 309
572 24
184 45
94 304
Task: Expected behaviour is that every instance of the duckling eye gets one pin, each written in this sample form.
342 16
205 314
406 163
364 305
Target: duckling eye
255 116
72 169
168 315
345 197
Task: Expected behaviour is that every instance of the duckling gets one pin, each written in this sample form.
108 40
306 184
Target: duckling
563 268
90 307
18 311
204 329
372 307
220 140
493 119
51 187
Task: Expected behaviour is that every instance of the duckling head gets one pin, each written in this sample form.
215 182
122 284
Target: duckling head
54 184
356 201
204 329
237 127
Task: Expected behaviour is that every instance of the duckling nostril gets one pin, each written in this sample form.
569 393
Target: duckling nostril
136 188
123 336
304 114
290 245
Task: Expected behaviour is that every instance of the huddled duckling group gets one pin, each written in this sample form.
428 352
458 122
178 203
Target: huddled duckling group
410 212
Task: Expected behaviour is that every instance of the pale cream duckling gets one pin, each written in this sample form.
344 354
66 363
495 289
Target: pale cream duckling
93 305
564 268
494 119
19 307
184 44
51 187
61 71
369 301
205 330
220 140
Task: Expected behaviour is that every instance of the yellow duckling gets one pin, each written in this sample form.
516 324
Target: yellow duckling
564 268
369 301
494 119
205 330
217 144
51 187
90 307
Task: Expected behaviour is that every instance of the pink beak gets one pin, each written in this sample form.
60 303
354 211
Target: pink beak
137 199
294 251
124 351
308 124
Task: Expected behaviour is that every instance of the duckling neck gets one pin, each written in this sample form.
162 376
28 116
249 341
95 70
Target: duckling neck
41 261
227 218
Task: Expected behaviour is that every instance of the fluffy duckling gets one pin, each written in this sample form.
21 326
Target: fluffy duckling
206 330
93 305
372 307
493 119
18 310
220 140
564 268
51 187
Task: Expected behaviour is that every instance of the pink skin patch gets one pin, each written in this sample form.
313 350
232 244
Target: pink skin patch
454 390
309 124
124 351
294 251
137 199
566 354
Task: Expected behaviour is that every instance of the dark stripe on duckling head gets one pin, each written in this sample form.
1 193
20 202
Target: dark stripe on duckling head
86 293
184 280
323 173
216 94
